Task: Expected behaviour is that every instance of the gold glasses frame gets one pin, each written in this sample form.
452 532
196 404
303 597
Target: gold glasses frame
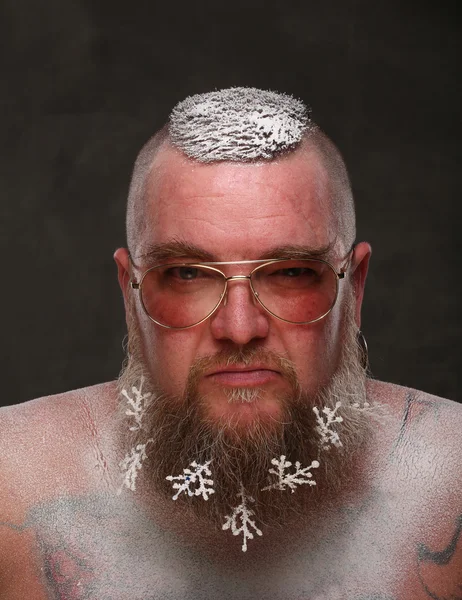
137 285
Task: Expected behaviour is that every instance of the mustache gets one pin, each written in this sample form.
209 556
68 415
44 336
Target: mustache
245 356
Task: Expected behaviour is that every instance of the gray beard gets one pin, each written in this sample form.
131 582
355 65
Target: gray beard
179 434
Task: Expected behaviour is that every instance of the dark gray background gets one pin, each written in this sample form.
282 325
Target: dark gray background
85 83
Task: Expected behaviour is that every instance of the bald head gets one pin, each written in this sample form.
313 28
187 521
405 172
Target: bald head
243 125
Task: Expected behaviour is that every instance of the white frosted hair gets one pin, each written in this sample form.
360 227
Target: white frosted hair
242 125
238 124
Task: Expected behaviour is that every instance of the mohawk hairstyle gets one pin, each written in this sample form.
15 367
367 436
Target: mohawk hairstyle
238 124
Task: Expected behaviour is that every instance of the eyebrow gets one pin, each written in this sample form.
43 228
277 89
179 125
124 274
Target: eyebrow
178 249
174 249
296 251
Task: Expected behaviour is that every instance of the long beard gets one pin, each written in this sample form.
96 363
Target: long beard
179 432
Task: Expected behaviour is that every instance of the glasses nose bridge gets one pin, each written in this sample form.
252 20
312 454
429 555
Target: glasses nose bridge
231 277
236 278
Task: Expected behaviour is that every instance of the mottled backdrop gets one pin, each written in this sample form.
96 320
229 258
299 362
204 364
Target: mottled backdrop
84 84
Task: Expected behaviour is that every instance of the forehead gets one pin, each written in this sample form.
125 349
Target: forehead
238 211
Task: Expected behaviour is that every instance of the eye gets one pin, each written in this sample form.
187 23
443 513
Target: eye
186 273
293 272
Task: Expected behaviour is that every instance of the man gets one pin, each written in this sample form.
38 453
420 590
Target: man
243 453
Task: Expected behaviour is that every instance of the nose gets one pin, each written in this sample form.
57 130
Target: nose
239 318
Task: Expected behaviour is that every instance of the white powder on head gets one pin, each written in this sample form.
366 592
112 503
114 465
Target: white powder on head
238 124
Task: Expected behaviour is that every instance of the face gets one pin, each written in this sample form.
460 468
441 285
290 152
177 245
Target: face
238 212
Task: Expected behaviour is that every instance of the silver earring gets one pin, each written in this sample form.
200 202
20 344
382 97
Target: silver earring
364 351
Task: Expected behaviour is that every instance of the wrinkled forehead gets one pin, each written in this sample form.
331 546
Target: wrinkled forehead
237 211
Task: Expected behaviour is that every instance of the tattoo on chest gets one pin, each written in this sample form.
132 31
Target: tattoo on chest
443 567
98 548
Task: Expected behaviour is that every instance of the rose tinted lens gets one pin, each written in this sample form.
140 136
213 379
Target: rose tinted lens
181 295
299 291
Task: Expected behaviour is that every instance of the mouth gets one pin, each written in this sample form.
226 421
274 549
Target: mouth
243 376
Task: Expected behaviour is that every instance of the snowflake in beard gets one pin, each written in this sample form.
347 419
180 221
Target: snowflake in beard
241 521
301 476
137 404
194 483
328 436
132 463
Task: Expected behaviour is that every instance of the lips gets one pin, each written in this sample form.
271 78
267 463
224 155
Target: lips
241 369
235 375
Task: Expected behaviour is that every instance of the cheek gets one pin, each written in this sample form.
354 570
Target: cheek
168 356
314 349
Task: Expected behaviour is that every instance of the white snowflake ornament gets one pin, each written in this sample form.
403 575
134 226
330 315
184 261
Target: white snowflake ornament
137 404
241 521
328 436
195 482
301 476
132 463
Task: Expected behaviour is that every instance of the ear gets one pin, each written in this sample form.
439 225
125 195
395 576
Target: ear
122 260
359 266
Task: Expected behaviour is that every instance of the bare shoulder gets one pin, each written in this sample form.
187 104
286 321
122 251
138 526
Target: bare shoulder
51 447
48 418
59 406
45 443
425 436
432 416
423 472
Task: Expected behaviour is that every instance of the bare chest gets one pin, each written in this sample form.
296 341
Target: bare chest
94 549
